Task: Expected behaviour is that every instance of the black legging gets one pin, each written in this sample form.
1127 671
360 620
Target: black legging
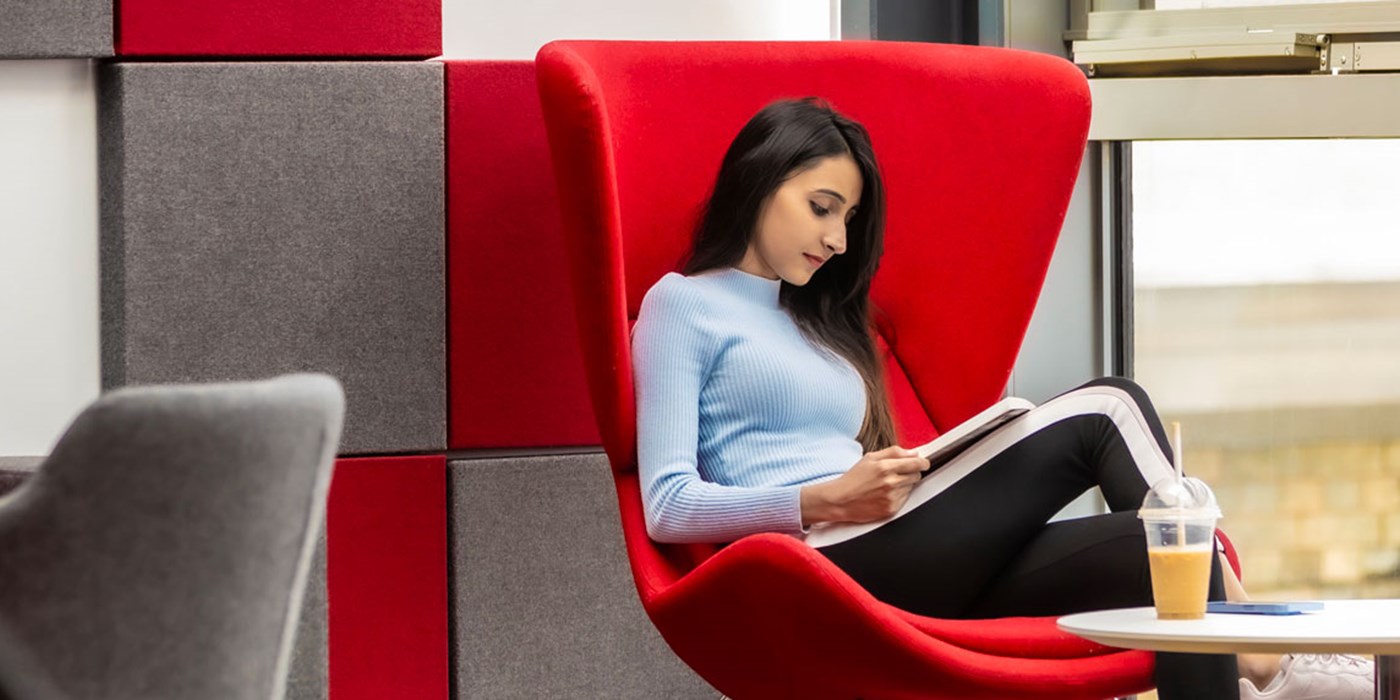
978 545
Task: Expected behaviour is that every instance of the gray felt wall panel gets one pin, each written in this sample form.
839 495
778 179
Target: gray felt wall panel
543 604
55 28
262 218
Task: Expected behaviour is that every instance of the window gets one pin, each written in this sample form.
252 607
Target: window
1266 318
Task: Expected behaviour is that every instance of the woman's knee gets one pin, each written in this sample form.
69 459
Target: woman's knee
1135 392
1122 383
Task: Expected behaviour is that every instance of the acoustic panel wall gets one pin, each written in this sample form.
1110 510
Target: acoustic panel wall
269 28
262 218
55 28
543 604
515 372
387 578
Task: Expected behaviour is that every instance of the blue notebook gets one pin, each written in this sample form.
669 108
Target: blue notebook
1220 606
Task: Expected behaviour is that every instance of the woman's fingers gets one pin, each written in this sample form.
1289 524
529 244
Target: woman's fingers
895 451
904 472
892 451
908 465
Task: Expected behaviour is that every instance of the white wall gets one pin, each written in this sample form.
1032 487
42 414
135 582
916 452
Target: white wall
48 177
515 29
48 250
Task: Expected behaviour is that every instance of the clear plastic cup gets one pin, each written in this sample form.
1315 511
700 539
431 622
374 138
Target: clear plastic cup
1180 519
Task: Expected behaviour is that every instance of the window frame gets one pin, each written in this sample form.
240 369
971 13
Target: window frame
1127 38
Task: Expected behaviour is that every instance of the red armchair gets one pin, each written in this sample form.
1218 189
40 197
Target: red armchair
980 148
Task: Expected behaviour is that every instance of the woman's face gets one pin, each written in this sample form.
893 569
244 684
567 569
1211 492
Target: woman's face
803 223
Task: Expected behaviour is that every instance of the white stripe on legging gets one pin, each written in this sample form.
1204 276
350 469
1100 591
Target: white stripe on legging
1098 399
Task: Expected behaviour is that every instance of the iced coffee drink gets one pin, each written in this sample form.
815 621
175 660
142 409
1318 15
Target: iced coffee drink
1180 518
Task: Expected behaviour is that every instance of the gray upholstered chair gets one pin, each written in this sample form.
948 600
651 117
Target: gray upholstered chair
20 676
162 549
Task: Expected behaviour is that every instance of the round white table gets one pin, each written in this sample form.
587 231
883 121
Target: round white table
1342 626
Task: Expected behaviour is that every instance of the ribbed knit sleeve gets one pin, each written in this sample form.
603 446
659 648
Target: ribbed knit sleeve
674 347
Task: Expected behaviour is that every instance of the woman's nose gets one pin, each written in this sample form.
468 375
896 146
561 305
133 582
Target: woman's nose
836 242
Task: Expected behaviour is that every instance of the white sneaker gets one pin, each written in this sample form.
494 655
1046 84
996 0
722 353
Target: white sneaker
1317 677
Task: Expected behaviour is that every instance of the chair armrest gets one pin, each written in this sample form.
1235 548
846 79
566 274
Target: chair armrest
771 592
1230 554
1014 637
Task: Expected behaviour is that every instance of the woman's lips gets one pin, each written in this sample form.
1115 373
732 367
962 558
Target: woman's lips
816 261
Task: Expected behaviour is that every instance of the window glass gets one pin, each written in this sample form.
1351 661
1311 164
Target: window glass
1267 320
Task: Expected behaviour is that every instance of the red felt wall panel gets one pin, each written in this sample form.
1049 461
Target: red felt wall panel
515 375
386 578
266 28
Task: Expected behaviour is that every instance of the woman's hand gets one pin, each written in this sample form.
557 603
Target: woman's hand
874 489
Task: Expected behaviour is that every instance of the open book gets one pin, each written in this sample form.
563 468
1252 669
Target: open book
939 452
945 447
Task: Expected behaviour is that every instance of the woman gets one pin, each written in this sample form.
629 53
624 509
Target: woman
761 408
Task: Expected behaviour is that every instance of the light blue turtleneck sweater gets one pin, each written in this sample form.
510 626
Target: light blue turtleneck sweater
736 409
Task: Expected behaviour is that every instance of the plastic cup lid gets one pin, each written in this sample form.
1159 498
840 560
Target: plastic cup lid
1188 498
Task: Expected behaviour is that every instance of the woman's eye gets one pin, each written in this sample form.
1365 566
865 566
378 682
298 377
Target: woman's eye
819 210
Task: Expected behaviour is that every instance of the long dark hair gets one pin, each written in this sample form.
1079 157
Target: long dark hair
833 309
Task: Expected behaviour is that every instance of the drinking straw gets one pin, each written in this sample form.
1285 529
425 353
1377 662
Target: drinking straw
1180 481
1176 450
